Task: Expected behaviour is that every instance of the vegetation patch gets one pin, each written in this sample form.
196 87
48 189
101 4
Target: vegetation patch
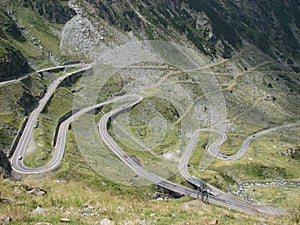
296 154
17 100
9 126
84 203
263 172
275 196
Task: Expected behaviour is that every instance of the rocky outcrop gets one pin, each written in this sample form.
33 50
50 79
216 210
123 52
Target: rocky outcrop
215 27
269 25
55 11
86 38
5 166
13 64
27 101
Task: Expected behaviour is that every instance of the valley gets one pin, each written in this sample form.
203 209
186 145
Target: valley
129 117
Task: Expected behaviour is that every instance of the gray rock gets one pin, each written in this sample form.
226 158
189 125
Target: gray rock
61 181
65 220
8 199
87 210
43 223
120 209
142 222
213 222
6 220
39 210
238 217
36 192
20 203
105 222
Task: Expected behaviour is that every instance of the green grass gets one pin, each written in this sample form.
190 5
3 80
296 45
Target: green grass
25 46
8 129
3 44
296 154
214 176
199 149
9 95
262 162
12 106
169 142
87 188
274 196
112 86
39 28
40 152
140 132
258 171
148 161
76 195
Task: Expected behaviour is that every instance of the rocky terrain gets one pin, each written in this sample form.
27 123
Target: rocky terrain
12 62
247 52
217 28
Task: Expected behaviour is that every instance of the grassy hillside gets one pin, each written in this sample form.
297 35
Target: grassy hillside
77 193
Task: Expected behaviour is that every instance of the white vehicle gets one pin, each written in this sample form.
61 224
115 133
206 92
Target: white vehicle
20 157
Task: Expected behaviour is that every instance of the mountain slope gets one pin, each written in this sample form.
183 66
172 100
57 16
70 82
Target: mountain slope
236 70
5 167
12 61
215 25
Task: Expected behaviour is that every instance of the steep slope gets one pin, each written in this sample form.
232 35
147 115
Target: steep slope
55 11
244 77
272 26
261 52
217 28
5 167
213 26
12 62
30 35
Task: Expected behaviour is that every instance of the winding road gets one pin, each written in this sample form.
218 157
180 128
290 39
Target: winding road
26 136
213 150
216 196
42 71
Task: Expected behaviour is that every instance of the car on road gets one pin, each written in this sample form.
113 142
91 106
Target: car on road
20 157
125 156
